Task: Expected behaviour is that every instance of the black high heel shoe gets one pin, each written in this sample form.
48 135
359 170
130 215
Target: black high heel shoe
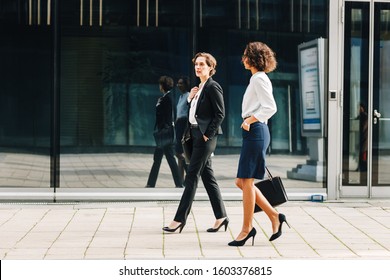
224 223
168 229
282 219
252 233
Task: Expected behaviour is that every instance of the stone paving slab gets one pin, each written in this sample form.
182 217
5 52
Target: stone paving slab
119 231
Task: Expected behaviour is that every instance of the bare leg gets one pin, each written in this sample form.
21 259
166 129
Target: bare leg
248 201
272 214
250 196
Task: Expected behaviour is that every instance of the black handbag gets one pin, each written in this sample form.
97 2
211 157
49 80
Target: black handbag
273 190
186 142
165 136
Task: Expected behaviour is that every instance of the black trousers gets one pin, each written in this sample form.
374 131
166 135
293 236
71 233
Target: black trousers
180 127
200 166
157 157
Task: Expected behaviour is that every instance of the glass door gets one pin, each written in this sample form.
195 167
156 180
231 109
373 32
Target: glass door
381 101
366 126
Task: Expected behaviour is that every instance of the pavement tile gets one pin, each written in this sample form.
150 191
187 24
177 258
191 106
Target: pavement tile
338 254
132 230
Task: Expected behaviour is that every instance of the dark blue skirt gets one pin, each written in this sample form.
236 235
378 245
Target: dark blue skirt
254 147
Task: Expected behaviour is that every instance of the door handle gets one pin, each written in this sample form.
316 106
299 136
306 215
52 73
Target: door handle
377 115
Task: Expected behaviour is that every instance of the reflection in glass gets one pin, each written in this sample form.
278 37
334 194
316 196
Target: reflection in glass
355 120
109 77
24 170
381 117
25 95
109 87
111 55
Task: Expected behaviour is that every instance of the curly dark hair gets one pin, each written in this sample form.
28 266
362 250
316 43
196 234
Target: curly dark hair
166 83
260 56
210 61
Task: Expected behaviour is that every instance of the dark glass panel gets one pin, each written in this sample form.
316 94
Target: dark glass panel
26 52
381 96
355 107
226 31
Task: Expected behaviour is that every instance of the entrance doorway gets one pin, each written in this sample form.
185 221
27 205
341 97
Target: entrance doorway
366 99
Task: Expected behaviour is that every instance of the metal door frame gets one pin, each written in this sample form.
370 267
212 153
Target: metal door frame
336 190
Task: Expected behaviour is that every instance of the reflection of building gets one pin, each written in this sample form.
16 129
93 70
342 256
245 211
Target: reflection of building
80 76
111 55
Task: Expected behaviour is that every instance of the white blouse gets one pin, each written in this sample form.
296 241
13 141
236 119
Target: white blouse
194 103
258 100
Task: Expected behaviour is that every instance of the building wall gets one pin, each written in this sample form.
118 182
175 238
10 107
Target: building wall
102 63
111 58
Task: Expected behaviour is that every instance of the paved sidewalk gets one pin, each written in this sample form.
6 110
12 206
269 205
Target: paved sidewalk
118 231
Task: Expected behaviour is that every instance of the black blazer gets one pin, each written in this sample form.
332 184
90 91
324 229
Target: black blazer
164 111
210 110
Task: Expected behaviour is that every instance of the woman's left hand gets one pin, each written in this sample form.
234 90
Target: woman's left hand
205 138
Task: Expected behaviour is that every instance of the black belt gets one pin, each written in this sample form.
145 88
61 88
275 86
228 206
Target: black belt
194 126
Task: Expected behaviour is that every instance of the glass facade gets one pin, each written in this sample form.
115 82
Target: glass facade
357 105
102 60
381 96
26 75
356 94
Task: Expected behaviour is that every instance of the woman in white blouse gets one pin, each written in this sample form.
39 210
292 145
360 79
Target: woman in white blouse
258 105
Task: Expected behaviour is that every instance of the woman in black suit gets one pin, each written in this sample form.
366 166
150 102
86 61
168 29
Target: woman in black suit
164 118
206 113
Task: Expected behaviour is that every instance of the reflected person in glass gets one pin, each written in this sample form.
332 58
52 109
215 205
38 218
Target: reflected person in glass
183 85
164 118
363 138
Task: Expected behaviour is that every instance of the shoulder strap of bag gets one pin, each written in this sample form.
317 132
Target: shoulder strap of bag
269 173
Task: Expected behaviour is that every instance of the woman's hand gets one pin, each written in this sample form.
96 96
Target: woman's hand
245 126
193 92
205 138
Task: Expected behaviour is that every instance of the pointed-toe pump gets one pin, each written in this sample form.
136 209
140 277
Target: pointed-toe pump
180 227
224 223
242 242
282 219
